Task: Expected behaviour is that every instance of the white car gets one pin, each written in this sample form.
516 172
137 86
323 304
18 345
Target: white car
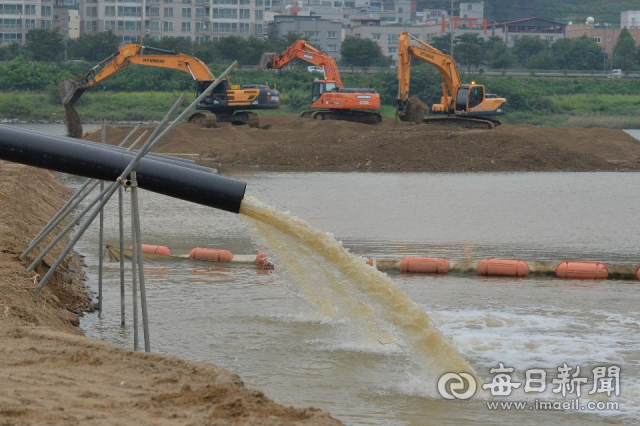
617 73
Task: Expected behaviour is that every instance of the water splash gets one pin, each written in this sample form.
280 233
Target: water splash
360 288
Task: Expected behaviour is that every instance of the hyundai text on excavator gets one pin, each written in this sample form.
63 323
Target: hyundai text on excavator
334 100
465 104
227 103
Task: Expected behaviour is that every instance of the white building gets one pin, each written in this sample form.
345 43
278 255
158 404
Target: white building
630 20
198 20
472 10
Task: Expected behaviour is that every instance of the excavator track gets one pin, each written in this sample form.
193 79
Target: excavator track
253 120
203 119
465 122
364 117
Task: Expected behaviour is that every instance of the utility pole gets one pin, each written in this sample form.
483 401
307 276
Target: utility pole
142 28
451 24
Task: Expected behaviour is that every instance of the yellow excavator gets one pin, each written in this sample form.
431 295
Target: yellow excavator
462 104
227 102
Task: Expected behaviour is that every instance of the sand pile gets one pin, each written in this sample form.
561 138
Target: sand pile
286 141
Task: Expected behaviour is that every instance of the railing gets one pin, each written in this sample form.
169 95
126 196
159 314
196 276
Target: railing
493 73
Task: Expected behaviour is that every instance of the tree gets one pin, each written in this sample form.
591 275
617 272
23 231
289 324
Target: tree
207 52
94 47
442 43
9 51
176 44
361 52
498 55
577 54
470 51
527 46
44 45
624 52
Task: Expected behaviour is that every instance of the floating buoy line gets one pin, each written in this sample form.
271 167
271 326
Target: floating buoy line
489 267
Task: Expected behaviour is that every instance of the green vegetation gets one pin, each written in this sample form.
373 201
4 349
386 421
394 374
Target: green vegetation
146 93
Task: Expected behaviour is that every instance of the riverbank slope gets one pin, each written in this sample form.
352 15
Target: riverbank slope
52 374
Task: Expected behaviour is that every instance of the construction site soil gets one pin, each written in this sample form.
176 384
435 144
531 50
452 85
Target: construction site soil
289 142
51 374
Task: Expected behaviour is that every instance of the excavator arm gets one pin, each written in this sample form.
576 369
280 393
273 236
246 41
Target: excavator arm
71 90
441 61
303 50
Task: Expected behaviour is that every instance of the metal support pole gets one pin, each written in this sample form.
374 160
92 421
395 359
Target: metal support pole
103 139
121 233
134 271
135 213
68 206
107 193
79 216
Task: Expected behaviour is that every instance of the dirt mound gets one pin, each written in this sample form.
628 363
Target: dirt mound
287 141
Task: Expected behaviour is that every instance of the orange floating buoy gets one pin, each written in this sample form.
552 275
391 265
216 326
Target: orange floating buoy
150 248
638 274
503 267
369 262
261 259
582 270
434 265
211 255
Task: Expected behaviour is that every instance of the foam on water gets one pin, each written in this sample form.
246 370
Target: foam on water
335 276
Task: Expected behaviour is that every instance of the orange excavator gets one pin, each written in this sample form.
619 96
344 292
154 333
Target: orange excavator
332 100
227 102
464 104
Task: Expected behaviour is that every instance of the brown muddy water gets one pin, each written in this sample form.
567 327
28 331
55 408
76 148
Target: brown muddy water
310 334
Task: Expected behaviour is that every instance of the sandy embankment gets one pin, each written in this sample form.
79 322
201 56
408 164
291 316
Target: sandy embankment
287 142
51 374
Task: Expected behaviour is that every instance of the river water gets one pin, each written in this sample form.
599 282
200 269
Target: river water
284 333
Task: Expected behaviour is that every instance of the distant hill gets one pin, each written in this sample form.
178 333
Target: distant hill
604 11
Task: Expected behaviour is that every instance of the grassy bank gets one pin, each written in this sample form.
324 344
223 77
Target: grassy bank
578 110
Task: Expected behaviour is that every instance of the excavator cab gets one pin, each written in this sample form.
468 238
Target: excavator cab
322 86
219 93
468 97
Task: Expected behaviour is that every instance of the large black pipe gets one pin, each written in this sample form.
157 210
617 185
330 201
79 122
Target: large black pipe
159 157
92 161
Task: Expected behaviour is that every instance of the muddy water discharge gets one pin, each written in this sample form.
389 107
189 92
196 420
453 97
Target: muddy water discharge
370 286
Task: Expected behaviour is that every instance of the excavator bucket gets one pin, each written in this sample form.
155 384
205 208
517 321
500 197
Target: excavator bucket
416 110
266 61
70 91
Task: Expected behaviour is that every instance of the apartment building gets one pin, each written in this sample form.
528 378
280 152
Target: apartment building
18 17
322 34
67 20
199 20
386 36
